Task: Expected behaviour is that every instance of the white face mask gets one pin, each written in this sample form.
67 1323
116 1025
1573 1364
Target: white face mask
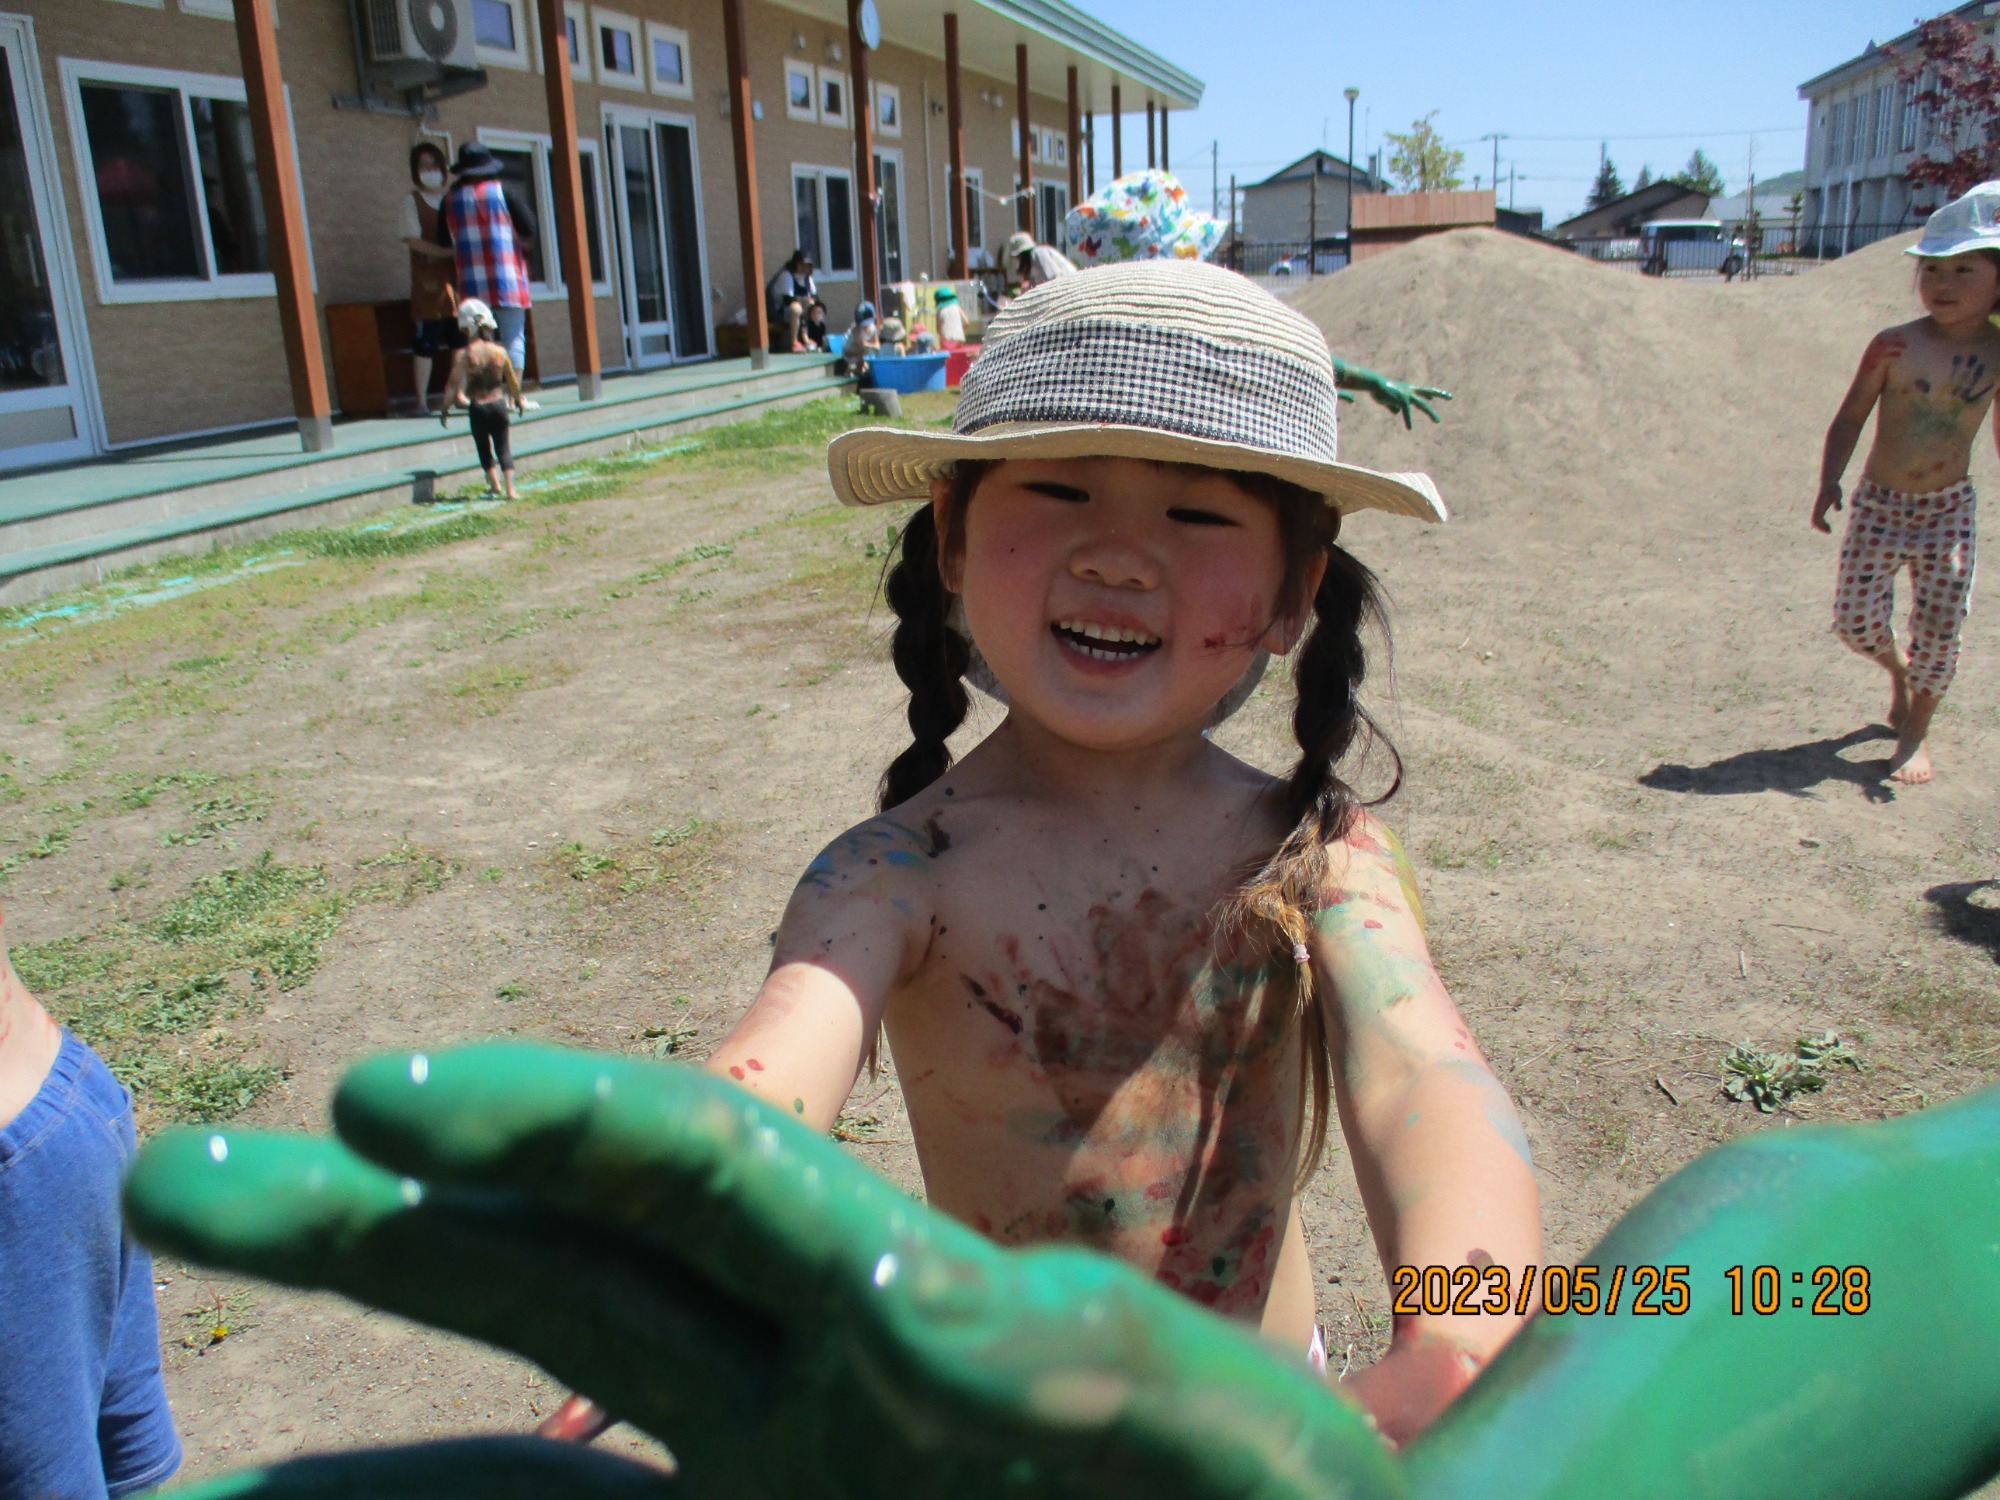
430 179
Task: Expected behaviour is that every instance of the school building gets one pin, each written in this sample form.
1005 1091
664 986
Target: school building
201 206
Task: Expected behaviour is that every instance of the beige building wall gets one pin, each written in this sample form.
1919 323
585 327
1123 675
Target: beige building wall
180 367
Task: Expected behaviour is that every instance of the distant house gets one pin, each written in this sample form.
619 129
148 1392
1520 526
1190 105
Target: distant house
1621 217
1774 207
1306 200
1383 221
1862 130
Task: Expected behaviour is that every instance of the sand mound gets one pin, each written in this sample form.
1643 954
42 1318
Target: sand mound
1584 385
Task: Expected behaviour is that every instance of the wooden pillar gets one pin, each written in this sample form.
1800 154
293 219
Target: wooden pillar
1152 154
566 172
954 120
1075 142
742 133
1165 162
864 157
1117 136
278 179
1024 206
1090 150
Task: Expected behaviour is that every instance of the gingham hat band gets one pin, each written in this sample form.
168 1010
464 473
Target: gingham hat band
1117 372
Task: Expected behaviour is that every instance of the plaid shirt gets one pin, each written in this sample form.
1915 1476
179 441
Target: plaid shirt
490 266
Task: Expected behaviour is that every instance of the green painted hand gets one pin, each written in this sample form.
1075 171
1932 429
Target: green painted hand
1397 395
790 1324
724 1278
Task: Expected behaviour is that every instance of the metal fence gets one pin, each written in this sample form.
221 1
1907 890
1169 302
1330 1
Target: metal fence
1281 259
1767 249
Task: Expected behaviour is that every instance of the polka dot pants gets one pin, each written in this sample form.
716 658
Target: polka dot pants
1932 536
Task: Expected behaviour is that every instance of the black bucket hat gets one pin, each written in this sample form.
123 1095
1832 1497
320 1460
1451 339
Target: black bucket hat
475 162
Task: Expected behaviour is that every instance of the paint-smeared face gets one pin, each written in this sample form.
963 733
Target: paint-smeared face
1117 600
1957 286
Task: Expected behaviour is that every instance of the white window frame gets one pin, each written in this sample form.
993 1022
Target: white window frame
218 10
819 175
802 70
1055 229
146 4
602 20
893 154
76 72
581 69
540 147
590 158
893 94
656 32
515 57
975 194
846 111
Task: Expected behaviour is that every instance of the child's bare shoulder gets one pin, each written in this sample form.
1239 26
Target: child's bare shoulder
1892 344
1368 866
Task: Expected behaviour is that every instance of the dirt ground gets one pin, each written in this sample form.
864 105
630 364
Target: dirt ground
556 780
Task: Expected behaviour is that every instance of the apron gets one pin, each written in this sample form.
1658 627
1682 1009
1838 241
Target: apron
431 295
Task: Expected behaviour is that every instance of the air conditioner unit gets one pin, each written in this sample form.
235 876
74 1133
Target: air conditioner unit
411 42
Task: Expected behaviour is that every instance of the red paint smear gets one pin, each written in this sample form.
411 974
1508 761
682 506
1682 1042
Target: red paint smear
1371 922
1175 1234
736 1073
755 1066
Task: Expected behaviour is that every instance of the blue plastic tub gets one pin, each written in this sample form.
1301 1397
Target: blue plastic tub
833 343
908 372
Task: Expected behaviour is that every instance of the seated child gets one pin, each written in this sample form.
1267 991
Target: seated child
1914 508
1131 982
83 1410
892 336
485 379
813 328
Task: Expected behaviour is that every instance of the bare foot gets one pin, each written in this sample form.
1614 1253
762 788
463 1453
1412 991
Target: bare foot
1899 700
1910 765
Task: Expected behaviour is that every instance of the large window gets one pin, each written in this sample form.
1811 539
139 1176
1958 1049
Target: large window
889 215
823 213
975 211
576 28
172 200
525 169
832 97
801 91
1906 115
1836 137
1051 208
888 109
1882 97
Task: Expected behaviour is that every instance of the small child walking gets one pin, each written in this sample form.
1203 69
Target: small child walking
1914 508
485 378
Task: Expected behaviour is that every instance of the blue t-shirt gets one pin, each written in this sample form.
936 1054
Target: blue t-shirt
83 1411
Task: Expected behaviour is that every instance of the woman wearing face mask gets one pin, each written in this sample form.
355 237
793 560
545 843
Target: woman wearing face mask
433 299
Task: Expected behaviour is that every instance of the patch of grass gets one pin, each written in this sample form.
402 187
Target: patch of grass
511 991
161 998
10 789
490 873
675 856
197 664
1771 1080
1452 855
370 542
664 1042
211 815
414 870
489 688
141 794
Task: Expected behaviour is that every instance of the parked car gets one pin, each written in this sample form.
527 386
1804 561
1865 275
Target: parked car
1323 262
1688 245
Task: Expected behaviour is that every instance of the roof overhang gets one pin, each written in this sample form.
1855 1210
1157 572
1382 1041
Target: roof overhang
1058 37
1879 53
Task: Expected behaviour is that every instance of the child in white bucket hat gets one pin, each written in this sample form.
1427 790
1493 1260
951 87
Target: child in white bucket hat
1123 972
1914 508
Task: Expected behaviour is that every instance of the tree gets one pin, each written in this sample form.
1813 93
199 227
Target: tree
1700 175
1607 187
1422 162
1644 179
1954 80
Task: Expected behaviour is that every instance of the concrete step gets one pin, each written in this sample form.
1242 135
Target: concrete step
30 573
29 524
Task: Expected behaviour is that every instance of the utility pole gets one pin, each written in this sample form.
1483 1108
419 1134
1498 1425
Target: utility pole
1496 137
1215 179
1350 93
1510 187
1312 219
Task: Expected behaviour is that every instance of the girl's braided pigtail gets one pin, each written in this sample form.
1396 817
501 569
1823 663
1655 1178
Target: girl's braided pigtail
930 656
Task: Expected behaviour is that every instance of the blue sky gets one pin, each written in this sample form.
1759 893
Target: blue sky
1656 80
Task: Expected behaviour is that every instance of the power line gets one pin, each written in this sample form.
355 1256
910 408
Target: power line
1677 135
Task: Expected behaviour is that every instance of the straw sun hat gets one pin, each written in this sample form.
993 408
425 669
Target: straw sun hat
1176 361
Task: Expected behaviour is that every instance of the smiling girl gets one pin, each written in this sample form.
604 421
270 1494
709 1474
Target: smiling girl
1129 980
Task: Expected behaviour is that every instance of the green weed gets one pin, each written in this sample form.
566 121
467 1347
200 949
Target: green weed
1772 1079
